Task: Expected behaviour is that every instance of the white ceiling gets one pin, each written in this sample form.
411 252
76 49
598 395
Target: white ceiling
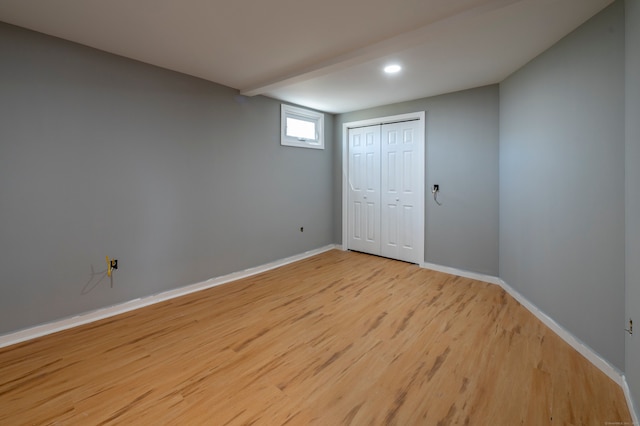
324 54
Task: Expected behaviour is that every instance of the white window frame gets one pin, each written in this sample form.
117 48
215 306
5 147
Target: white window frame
288 111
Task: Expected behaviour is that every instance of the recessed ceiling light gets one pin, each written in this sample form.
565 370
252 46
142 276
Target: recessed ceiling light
392 69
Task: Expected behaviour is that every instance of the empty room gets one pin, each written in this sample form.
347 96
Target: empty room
334 213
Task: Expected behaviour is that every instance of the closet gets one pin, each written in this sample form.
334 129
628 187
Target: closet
385 187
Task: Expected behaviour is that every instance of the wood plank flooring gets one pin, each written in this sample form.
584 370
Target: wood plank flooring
337 339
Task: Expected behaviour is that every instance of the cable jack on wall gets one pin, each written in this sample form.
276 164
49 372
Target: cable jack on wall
435 190
111 265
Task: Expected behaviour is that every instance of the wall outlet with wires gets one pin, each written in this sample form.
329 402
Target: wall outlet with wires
435 190
111 265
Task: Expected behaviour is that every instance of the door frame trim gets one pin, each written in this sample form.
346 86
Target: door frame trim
420 117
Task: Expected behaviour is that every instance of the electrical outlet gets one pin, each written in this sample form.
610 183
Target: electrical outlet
302 229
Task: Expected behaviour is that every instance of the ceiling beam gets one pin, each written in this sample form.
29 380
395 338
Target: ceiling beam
391 45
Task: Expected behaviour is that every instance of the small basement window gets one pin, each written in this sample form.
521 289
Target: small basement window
301 127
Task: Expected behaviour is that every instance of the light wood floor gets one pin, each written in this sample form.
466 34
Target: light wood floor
340 338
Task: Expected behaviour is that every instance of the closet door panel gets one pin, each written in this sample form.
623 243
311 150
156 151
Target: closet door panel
402 153
364 189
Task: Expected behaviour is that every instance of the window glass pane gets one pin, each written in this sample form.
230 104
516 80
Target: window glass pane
301 129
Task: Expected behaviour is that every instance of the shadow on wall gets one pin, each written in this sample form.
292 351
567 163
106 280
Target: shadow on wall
95 279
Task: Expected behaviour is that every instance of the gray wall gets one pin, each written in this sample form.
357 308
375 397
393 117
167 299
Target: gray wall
462 157
180 179
562 182
632 156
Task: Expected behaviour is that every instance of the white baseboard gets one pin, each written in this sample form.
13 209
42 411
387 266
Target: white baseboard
573 341
632 407
462 273
53 327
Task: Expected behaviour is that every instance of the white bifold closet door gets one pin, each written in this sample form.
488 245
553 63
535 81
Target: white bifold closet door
364 193
386 202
